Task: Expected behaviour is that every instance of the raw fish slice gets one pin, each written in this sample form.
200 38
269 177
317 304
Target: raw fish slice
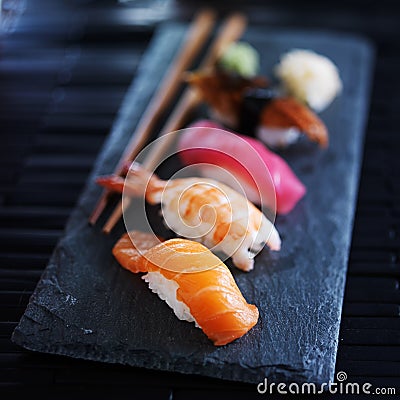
247 160
210 298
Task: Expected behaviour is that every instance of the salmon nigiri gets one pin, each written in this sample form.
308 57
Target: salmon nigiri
194 282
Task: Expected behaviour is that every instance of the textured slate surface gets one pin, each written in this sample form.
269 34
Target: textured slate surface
86 306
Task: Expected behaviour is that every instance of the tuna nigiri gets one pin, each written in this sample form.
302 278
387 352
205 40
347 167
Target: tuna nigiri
204 210
210 298
262 173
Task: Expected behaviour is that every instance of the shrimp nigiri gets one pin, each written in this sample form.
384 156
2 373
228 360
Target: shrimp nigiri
204 210
264 176
210 298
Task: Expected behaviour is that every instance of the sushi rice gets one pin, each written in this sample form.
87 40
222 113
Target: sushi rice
166 290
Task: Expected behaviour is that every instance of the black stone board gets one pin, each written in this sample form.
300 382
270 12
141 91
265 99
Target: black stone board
87 306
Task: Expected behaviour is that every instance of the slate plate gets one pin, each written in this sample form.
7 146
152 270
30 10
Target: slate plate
87 306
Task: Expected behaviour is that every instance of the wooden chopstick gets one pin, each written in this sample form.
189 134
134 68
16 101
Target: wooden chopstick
189 100
200 29
232 29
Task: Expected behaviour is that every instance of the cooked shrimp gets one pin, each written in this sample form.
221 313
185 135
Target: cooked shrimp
204 210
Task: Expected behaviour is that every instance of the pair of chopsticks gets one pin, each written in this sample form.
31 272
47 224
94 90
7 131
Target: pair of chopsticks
200 29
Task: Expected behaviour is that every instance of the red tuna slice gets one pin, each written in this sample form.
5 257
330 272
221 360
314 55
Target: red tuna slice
265 177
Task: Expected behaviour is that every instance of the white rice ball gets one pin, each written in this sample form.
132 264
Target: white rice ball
310 77
166 290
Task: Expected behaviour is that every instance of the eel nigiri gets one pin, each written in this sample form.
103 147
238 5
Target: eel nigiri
204 210
205 143
210 298
289 117
224 92
275 119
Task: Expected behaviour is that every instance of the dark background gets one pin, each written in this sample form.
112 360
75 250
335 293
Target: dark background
64 69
